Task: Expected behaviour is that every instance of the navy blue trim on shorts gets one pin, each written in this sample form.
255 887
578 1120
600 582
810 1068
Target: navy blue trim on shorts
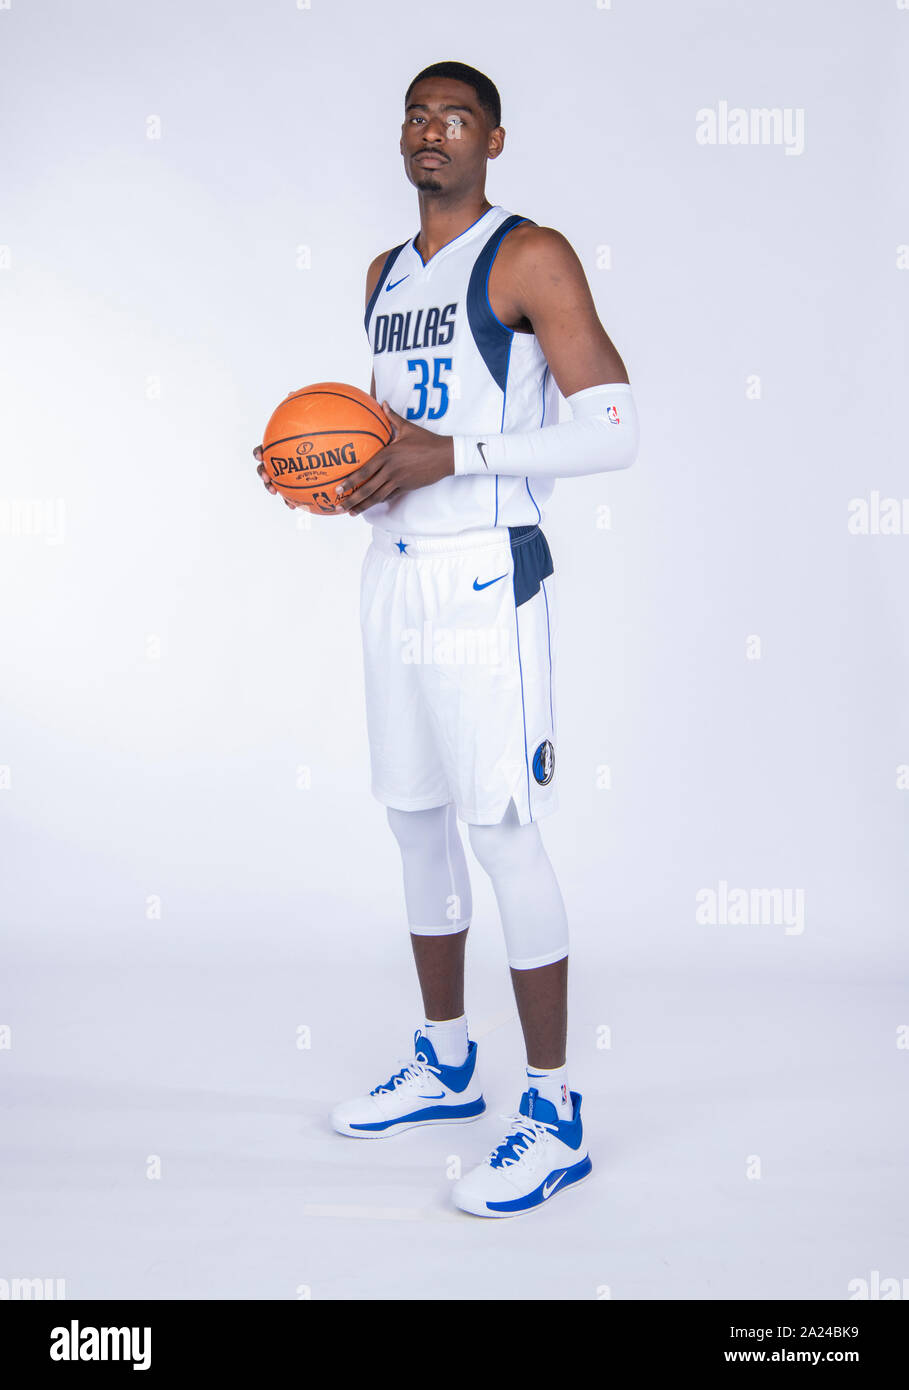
532 561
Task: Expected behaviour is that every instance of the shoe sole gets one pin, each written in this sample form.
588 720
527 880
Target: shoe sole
400 1129
524 1211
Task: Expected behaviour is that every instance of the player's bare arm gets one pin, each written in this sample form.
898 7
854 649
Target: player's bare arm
372 279
537 285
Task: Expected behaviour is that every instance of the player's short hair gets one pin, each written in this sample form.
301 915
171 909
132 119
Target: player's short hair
487 92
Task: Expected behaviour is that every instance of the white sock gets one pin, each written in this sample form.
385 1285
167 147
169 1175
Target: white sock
449 1038
552 1085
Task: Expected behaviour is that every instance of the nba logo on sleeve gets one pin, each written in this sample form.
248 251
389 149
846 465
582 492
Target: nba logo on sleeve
544 763
613 415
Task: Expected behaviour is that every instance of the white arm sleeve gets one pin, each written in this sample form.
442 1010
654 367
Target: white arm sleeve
602 434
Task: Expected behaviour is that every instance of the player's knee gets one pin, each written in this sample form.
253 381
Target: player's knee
504 850
417 831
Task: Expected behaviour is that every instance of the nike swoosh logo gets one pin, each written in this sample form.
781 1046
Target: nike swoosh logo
551 1187
478 585
440 1096
480 448
396 283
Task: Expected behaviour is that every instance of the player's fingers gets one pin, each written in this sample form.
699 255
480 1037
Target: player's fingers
390 496
267 481
348 499
394 419
363 474
380 494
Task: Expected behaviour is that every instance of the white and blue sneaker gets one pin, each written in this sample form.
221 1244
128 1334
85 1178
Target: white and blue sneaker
540 1155
423 1092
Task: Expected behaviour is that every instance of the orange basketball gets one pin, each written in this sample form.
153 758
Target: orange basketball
317 437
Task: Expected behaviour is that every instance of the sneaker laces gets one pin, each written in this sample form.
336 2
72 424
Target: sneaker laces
523 1133
416 1070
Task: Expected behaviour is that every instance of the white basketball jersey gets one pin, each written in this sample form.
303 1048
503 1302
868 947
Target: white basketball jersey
442 359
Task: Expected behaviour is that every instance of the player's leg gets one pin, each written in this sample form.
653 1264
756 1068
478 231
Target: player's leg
438 1084
493 701
535 926
440 970
541 995
498 715
543 1150
438 902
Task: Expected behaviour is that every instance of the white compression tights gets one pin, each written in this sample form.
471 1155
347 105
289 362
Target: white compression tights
437 887
436 881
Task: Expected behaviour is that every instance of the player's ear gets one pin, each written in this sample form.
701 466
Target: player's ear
495 143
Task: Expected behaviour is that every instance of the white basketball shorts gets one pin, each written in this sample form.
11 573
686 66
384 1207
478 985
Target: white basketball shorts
458 648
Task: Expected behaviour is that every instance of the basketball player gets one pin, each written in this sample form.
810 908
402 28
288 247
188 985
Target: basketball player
474 323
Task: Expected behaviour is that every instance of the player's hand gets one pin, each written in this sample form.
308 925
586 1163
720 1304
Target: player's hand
414 458
269 485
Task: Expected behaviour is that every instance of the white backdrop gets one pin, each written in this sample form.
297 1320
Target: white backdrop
199 894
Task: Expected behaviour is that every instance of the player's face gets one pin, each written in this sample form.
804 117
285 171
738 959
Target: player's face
446 139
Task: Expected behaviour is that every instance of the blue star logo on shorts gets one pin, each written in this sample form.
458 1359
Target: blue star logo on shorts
402 545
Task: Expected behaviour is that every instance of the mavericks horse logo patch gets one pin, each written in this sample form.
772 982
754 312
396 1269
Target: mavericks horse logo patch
544 763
